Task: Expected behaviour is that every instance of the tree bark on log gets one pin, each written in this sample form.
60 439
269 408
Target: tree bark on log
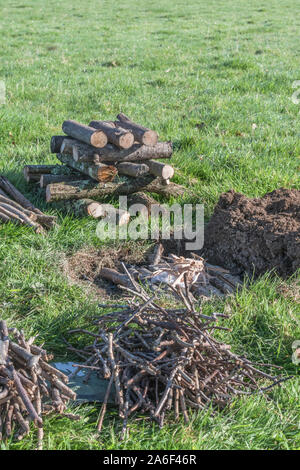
78 151
97 171
49 179
171 190
111 153
34 172
83 207
56 143
132 169
119 137
115 277
144 200
96 138
160 169
143 135
86 189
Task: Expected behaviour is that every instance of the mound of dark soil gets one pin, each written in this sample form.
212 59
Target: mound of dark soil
256 235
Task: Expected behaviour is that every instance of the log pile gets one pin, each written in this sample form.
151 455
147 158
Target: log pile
16 208
29 386
160 359
105 158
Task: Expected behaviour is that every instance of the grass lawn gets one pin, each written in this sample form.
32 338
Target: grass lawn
215 78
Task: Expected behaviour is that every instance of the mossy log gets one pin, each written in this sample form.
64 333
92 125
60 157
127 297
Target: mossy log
87 189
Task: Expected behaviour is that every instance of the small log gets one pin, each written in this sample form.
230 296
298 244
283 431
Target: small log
78 151
84 207
143 135
171 190
119 216
115 277
56 143
132 169
111 153
86 189
143 199
33 172
96 138
119 137
96 171
49 179
45 220
160 169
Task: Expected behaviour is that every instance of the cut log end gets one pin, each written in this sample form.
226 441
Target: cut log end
150 138
95 210
99 139
107 173
126 141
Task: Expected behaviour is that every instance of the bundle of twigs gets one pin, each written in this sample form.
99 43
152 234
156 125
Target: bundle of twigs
29 386
15 207
162 359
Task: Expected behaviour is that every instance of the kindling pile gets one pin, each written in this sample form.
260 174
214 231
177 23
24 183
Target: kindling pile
105 158
29 386
16 208
160 359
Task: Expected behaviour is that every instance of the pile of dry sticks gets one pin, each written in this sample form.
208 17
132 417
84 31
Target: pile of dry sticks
29 386
105 158
14 207
161 359
203 279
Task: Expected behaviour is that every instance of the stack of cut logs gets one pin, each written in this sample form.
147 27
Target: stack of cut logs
16 208
105 158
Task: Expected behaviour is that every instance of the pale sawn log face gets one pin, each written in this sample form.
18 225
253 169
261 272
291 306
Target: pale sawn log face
119 137
142 134
96 138
160 169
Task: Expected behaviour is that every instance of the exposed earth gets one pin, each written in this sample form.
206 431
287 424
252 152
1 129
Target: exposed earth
256 235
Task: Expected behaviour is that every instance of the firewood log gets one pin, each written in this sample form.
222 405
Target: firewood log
132 169
56 142
120 137
111 153
160 169
78 151
96 138
33 172
96 171
143 135
86 189
49 179
144 200
83 207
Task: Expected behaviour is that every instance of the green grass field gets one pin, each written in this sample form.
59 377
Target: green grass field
215 78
